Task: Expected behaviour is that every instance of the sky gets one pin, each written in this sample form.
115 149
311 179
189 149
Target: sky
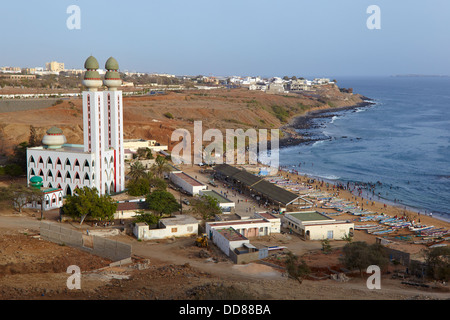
321 38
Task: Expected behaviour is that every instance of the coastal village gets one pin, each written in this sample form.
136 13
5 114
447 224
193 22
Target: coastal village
264 213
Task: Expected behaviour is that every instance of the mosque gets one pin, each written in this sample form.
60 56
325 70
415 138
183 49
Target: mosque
99 161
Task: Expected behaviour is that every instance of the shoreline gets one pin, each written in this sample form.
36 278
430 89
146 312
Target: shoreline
376 205
292 138
365 196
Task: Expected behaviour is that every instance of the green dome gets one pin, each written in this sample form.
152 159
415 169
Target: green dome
111 64
54 130
91 63
112 75
36 179
91 75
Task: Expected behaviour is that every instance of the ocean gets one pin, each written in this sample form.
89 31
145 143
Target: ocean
400 145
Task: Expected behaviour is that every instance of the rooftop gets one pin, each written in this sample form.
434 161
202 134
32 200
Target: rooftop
122 206
231 235
188 179
257 184
179 219
267 215
307 216
216 196
238 222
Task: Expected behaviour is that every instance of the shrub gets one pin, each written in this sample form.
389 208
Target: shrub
168 115
359 255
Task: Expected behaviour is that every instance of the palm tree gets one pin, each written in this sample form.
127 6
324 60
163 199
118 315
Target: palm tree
137 170
161 165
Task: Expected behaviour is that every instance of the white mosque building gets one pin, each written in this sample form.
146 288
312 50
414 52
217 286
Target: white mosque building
99 162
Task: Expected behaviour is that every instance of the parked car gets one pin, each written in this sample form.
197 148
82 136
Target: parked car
186 201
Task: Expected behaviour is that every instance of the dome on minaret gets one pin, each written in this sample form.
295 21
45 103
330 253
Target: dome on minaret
112 64
112 77
91 63
54 139
92 78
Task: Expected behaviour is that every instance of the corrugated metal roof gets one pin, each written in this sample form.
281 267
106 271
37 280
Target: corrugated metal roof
258 184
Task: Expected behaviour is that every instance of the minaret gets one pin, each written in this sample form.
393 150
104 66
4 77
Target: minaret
93 120
113 115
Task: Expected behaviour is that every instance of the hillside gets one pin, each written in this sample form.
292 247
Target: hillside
155 117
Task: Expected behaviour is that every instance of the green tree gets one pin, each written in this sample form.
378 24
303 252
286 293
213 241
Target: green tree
347 237
139 187
359 255
437 262
326 247
137 170
33 139
145 184
19 156
148 218
162 202
161 166
206 206
295 269
86 202
144 153
19 195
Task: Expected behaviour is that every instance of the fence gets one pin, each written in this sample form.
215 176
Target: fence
106 248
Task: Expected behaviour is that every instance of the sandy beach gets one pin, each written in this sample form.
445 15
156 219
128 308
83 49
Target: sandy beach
375 206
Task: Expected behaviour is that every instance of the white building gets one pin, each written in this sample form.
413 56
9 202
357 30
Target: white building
263 225
186 182
228 239
178 226
99 162
52 198
312 225
135 144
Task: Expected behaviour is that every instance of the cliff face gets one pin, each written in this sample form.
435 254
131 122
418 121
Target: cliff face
156 117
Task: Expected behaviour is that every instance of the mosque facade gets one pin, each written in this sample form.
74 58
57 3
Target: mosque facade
99 161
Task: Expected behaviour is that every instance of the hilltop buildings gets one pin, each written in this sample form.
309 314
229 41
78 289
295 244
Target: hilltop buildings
99 162
54 66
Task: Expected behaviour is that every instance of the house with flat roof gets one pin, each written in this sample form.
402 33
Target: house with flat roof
129 209
177 226
236 246
313 225
186 182
260 225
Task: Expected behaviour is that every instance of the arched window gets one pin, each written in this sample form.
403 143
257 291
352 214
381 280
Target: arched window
49 160
32 173
41 161
68 176
86 177
86 164
77 164
58 175
77 176
32 160
59 162
41 174
49 174
67 163
68 191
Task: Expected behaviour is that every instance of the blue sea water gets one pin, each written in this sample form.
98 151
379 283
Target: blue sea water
402 141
